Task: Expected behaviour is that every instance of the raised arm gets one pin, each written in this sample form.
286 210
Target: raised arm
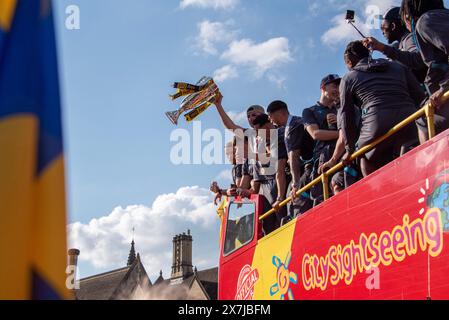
227 121
409 56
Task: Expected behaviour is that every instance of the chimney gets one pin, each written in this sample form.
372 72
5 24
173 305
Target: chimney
73 257
182 256
73 263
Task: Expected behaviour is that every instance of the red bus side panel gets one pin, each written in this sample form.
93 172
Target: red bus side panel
386 237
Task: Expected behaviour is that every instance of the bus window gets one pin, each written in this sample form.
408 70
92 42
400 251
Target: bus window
240 226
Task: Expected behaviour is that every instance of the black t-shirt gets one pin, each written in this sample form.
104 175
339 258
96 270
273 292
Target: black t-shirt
317 114
282 150
296 138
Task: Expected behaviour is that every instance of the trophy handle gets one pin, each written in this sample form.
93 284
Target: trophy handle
173 116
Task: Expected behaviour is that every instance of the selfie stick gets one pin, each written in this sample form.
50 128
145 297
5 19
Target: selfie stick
352 24
350 18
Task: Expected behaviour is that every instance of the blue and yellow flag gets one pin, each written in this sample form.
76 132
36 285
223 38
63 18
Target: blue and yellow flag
32 193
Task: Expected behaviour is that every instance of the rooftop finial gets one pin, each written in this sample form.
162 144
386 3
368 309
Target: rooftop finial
132 252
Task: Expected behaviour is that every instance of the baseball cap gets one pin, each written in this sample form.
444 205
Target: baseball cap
255 108
329 79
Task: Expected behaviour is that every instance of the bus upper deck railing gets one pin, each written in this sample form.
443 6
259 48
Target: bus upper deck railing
428 110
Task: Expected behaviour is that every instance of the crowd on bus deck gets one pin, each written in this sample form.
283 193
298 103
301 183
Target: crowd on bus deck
353 111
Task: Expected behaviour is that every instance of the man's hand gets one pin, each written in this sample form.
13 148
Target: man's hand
275 205
326 166
244 193
218 98
214 187
373 44
437 98
346 158
332 118
293 192
231 192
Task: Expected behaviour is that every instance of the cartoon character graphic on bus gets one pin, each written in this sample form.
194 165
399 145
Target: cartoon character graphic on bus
284 277
439 197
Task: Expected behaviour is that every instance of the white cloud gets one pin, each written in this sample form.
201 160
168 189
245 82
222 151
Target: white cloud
239 118
225 73
213 33
342 31
384 5
215 4
259 57
104 242
279 80
224 176
314 8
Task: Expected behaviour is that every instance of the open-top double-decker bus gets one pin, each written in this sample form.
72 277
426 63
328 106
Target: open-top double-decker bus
385 237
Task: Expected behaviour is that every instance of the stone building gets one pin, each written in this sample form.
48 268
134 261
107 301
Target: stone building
132 281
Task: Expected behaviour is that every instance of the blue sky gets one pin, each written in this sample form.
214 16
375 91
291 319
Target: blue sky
116 72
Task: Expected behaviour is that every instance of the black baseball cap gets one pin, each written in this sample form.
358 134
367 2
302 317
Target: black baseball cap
329 79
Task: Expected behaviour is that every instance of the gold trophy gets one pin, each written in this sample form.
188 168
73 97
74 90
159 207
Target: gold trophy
198 98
